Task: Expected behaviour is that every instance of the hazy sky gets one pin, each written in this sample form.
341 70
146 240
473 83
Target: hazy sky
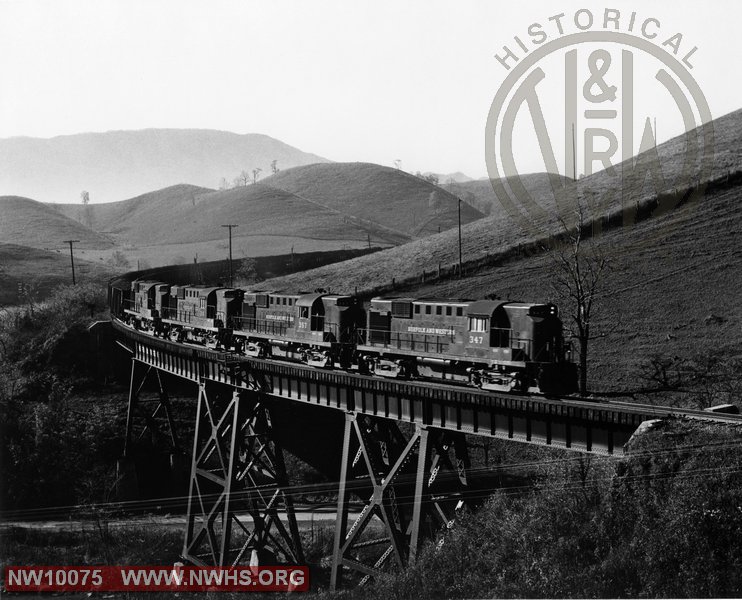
352 81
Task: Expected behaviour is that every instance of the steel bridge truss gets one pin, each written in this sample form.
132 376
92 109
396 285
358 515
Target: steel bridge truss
409 483
396 477
238 469
158 423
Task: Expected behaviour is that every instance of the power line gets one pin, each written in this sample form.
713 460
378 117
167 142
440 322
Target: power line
331 486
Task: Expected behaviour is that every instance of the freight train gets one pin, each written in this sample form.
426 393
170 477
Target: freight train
490 344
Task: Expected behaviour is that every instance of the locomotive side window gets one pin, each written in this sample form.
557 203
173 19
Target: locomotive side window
478 324
304 312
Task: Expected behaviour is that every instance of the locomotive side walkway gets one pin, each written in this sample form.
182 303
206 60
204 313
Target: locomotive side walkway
597 427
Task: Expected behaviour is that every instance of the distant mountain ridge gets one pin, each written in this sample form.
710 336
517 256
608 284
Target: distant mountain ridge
122 164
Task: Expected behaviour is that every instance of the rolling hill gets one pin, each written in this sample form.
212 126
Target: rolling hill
392 198
121 164
29 223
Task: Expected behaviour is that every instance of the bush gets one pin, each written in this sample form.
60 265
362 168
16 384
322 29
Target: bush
41 341
55 452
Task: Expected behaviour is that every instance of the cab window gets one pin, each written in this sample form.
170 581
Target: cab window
478 324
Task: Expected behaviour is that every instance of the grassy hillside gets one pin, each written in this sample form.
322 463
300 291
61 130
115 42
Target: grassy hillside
39 271
109 216
30 223
500 232
481 196
392 198
121 164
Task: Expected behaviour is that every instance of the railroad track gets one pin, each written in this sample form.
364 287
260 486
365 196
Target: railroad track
651 411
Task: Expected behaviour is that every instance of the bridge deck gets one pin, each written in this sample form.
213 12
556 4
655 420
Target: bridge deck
599 427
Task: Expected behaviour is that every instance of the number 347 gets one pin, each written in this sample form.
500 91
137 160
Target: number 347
476 339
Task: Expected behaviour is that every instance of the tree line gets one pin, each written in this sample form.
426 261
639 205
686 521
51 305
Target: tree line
247 177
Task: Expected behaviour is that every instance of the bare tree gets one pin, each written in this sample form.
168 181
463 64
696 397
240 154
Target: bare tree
274 166
224 184
581 267
242 179
255 173
87 210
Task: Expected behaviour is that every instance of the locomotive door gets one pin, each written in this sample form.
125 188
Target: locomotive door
317 321
248 316
379 325
500 329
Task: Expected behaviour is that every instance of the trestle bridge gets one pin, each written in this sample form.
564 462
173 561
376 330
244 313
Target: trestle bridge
398 445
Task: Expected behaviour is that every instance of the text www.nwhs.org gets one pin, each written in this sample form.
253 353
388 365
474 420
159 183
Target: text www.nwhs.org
156 579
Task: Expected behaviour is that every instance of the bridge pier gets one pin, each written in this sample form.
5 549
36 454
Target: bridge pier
141 420
393 474
238 468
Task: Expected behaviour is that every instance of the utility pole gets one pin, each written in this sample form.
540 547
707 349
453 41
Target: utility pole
231 279
72 258
460 261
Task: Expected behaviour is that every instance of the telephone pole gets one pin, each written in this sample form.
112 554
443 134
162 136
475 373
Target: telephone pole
460 260
231 279
72 258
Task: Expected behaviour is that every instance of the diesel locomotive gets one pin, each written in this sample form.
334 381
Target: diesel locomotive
490 344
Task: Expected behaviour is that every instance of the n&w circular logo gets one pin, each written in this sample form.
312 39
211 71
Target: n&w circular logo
584 95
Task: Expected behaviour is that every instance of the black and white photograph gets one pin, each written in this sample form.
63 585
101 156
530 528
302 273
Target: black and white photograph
384 300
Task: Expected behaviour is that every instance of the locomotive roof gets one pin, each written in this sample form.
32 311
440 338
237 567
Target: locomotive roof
424 299
147 284
308 299
204 289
